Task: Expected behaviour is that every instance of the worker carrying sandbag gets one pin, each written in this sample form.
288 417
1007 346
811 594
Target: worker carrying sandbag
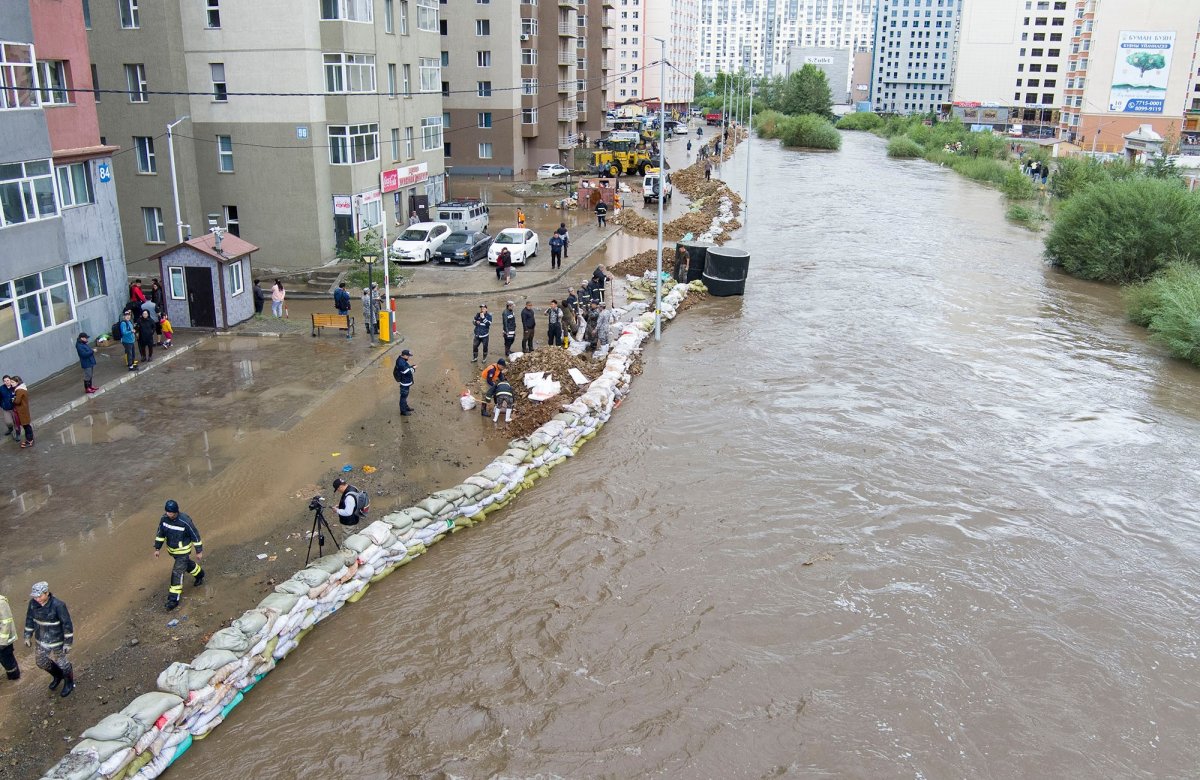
491 375
177 531
503 396
48 623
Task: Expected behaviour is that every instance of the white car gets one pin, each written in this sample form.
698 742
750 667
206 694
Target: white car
551 170
680 129
419 242
521 244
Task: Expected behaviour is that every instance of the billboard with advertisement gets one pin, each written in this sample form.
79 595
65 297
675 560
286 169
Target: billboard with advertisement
394 179
1139 84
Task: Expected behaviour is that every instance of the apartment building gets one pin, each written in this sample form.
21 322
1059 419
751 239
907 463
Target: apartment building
522 82
639 26
61 266
756 35
1012 57
914 48
1131 63
295 173
834 63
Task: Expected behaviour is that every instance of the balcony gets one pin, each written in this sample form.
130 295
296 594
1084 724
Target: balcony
567 86
566 58
567 114
566 142
567 30
567 4
609 3
606 42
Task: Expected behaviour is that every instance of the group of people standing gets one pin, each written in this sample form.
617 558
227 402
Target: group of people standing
143 326
278 296
372 305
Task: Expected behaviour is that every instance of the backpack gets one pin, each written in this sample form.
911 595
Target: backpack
396 371
362 505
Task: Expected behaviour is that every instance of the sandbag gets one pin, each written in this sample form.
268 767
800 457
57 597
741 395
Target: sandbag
116 762
356 542
378 532
230 639
117 727
101 749
181 679
251 622
415 512
279 602
398 522
213 659
292 587
432 505
148 707
334 561
81 765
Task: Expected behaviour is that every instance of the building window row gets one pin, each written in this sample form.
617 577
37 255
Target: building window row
17 76
26 192
428 15
349 73
75 185
350 144
431 133
33 304
347 10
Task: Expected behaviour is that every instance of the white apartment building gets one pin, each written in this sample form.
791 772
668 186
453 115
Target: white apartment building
914 48
756 35
677 23
1012 55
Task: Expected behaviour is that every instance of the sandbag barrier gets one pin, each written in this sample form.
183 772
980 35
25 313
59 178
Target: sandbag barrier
155 729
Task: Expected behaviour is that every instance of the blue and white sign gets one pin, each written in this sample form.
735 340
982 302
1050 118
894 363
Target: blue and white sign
104 172
302 133
1143 65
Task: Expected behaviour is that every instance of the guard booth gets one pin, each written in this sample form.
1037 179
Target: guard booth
592 190
208 281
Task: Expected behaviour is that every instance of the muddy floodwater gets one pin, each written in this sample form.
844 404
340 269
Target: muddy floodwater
915 506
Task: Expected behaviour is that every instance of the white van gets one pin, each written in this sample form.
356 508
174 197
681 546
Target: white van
467 216
652 181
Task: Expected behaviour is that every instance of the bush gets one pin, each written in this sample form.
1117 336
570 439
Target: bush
1073 175
983 169
1017 186
768 123
1169 304
903 147
1024 216
860 120
810 131
1122 231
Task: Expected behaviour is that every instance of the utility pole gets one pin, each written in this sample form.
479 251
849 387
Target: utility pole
662 180
174 177
746 194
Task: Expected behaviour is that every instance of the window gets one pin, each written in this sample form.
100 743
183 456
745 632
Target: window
220 90
529 116
89 279
485 151
529 26
87 15
16 76
391 79
427 15
135 83
483 27
409 146
431 74
237 285
52 79
483 59
152 219
130 18
529 57
484 119
74 185
175 283
445 119
225 153
529 86
26 192
213 12
483 88
389 16
349 73
431 133
144 147
395 143
404 17
34 303
346 10
350 144
446 149
232 223
445 59
407 80
95 84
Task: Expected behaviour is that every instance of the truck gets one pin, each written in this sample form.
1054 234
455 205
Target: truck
713 118
655 181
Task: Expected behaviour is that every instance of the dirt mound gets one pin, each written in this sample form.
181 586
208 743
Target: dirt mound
528 415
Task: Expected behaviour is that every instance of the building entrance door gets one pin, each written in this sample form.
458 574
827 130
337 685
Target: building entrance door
201 305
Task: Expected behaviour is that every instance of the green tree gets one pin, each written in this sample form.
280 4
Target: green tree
1144 61
770 92
807 92
701 86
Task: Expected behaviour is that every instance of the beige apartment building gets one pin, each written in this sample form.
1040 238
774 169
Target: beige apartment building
1131 63
1011 64
295 173
523 83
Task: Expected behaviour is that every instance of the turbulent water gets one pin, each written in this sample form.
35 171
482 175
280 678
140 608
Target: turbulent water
915 506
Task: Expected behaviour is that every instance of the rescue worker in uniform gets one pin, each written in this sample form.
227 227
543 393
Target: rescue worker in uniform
502 394
48 622
491 375
8 637
179 533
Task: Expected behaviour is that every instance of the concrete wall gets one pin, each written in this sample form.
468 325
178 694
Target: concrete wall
93 231
60 35
240 307
835 63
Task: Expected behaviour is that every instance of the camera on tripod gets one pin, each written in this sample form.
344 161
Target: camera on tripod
316 502
320 526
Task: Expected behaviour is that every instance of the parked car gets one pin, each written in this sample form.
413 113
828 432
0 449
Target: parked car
419 242
468 215
521 244
463 247
680 129
551 170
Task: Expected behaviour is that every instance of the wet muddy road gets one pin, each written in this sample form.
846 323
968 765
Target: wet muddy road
916 506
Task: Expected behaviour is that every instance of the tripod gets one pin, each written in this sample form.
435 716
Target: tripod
319 527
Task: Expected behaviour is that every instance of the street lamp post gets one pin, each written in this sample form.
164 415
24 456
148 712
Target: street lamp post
370 261
174 177
662 179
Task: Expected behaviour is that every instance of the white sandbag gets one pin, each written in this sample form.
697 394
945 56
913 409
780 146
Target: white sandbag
213 659
117 727
356 542
81 765
378 532
469 490
144 742
251 622
101 749
493 473
116 762
181 679
149 707
230 639
280 602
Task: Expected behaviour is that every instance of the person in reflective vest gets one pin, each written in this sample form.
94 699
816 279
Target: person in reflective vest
48 623
177 531
502 394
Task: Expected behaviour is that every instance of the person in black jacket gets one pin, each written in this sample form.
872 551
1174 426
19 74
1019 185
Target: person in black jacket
508 325
403 373
528 325
145 327
48 622
179 533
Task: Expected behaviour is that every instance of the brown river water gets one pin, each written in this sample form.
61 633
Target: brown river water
915 506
